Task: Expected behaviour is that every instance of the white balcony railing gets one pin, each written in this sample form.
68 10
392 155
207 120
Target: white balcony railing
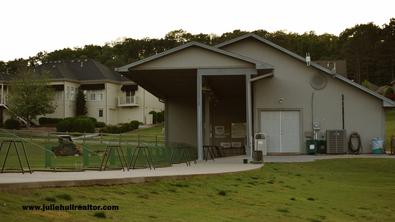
128 100
3 99
3 94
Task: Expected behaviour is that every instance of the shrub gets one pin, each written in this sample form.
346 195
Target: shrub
76 124
160 117
82 125
134 124
48 121
121 128
100 124
125 127
94 120
111 129
12 124
157 117
64 125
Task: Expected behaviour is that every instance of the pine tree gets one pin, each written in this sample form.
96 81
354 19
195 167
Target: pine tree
80 104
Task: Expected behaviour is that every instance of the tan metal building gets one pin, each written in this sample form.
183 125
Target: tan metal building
225 94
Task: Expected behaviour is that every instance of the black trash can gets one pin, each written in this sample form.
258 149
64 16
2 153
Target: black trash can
321 146
257 156
311 147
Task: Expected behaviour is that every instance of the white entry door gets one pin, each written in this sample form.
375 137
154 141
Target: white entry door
282 130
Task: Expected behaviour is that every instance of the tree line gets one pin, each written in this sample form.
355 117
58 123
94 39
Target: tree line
369 49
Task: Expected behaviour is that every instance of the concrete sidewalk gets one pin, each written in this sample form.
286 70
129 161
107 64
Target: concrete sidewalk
85 178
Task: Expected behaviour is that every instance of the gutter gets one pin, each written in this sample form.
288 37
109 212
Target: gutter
261 77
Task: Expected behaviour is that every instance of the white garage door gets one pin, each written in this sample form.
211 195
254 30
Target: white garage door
282 128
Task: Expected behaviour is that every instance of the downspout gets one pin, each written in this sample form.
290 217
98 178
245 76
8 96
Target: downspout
343 111
106 102
64 99
144 118
312 114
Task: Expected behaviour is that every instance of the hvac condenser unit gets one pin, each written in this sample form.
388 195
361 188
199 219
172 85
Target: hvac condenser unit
336 141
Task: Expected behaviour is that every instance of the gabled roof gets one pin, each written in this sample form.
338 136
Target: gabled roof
79 69
75 70
258 64
386 102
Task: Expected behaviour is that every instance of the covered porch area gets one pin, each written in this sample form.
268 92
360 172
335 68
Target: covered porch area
207 96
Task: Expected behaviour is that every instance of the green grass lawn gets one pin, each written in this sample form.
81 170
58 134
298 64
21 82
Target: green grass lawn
326 190
144 135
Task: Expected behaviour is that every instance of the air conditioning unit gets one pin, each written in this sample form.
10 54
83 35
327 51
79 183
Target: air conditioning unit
336 142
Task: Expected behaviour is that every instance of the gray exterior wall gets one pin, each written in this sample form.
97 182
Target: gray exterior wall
181 120
291 81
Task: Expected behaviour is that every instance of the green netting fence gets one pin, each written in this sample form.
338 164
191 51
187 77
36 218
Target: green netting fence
39 148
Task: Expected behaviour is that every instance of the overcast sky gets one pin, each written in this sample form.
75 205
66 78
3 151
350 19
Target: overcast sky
30 26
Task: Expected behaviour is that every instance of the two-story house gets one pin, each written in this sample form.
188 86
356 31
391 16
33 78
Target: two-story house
110 97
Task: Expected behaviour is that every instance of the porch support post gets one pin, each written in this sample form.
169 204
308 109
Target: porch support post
166 122
249 136
2 93
199 117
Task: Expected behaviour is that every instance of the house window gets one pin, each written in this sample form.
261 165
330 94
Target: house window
129 96
129 93
67 92
100 112
72 93
95 95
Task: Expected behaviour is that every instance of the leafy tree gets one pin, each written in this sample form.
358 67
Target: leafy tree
30 96
368 49
3 66
359 45
80 104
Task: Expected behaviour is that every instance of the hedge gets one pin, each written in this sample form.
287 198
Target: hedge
47 121
100 125
76 124
121 128
12 124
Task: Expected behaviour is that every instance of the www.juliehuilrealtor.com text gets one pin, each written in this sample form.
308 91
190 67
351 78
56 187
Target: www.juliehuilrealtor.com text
69 207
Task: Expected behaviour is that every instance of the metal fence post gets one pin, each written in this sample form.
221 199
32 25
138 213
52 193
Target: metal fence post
48 157
112 157
129 155
85 156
